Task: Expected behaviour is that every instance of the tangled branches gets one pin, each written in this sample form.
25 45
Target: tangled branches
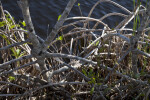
76 61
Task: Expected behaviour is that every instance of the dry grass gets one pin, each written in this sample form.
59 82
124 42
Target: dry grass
94 66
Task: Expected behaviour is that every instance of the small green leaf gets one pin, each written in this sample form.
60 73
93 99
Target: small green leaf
142 94
18 51
59 17
117 63
99 83
90 42
78 4
12 26
29 43
11 78
22 53
2 24
9 21
23 23
13 54
92 90
97 43
23 29
93 80
84 72
7 15
60 38
89 82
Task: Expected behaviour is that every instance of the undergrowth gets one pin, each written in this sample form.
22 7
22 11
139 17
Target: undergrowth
108 73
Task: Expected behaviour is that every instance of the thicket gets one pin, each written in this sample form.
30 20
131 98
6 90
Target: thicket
78 60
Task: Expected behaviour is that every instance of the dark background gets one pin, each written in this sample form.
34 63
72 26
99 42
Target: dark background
46 12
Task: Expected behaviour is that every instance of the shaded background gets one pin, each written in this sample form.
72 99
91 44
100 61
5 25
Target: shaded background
44 13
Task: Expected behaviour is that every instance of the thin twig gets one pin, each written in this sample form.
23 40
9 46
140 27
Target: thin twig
124 76
6 95
23 66
4 82
49 55
14 44
4 65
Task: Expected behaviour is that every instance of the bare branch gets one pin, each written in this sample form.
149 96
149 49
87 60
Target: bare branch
6 95
49 85
4 65
133 16
116 64
89 19
73 68
143 53
104 37
23 66
14 44
33 79
56 28
3 82
26 14
63 83
124 76
48 55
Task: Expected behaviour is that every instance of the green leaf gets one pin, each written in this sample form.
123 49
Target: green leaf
13 54
23 29
2 23
99 83
18 52
142 94
7 15
92 90
12 26
78 4
29 43
117 63
9 21
84 72
23 53
60 38
90 42
89 82
11 78
97 43
23 23
93 80
59 17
